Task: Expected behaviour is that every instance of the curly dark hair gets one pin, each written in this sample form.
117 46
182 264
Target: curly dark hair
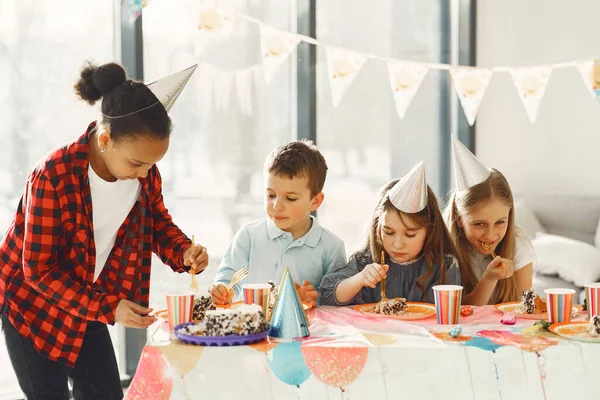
121 96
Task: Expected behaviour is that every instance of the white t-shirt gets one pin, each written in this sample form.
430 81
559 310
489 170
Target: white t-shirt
111 204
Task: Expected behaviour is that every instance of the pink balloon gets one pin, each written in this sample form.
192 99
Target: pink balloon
151 380
335 366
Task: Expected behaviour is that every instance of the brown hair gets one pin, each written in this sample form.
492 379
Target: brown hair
297 160
464 202
437 245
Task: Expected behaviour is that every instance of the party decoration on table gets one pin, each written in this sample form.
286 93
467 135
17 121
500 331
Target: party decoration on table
286 361
446 336
379 339
466 311
525 342
405 79
470 84
483 343
265 346
508 319
151 376
343 66
335 366
276 46
454 332
289 318
531 85
181 358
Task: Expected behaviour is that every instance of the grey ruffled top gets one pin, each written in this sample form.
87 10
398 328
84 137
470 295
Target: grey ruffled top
400 282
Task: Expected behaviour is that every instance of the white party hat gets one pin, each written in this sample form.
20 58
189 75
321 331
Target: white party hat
409 195
468 170
168 88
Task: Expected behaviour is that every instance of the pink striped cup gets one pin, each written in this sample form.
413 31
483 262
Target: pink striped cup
180 308
592 296
447 303
559 303
257 293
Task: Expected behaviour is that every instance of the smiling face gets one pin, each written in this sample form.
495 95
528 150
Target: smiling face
402 239
486 224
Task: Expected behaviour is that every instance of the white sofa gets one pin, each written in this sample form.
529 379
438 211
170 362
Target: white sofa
570 216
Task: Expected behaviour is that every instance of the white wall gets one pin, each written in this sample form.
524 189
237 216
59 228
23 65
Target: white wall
560 151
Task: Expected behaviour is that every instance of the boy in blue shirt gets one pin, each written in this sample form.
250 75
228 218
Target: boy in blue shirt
289 237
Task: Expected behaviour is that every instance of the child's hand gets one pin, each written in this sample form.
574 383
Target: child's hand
499 268
307 293
372 274
221 295
196 258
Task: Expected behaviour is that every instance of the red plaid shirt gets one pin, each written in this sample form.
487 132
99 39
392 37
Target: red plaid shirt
48 254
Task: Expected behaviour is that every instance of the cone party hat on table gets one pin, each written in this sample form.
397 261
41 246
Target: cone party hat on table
289 318
409 195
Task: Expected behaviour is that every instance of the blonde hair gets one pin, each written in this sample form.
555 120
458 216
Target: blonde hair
463 203
438 242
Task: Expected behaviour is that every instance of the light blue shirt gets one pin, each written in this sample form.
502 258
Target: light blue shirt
266 250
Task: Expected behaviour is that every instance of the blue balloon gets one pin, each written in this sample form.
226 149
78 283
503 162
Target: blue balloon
483 343
287 363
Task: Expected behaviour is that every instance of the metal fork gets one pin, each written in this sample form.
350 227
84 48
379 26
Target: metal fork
239 276
193 284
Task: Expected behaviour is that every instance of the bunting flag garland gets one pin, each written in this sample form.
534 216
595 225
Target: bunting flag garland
405 79
590 72
344 65
276 46
470 84
531 85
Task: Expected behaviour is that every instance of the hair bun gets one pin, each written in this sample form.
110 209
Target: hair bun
96 81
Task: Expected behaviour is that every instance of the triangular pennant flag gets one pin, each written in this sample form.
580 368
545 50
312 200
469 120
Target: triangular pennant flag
288 319
468 170
470 84
590 72
168 88
343 66
531 85
214 24
409 195
276 46
405 79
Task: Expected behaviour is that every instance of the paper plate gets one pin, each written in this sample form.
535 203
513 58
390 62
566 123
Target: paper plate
573 331
229 340
414 311
512 306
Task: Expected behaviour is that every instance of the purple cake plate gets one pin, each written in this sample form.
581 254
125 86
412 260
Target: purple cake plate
229 340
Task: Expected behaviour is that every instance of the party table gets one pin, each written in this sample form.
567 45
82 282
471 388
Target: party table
352 355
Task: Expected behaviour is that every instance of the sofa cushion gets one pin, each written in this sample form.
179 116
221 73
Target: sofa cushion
526 219
572 260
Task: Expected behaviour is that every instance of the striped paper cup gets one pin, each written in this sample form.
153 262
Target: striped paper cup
447 303
257 293
180 308
592 295
559 303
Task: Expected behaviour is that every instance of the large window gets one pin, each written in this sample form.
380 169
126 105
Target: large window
363 140
39 62
225 122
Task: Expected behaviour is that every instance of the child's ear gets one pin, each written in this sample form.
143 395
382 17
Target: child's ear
317 201
459 222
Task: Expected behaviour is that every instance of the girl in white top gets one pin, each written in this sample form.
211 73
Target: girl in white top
480 218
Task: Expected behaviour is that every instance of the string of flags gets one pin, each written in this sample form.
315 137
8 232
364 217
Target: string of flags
405 76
